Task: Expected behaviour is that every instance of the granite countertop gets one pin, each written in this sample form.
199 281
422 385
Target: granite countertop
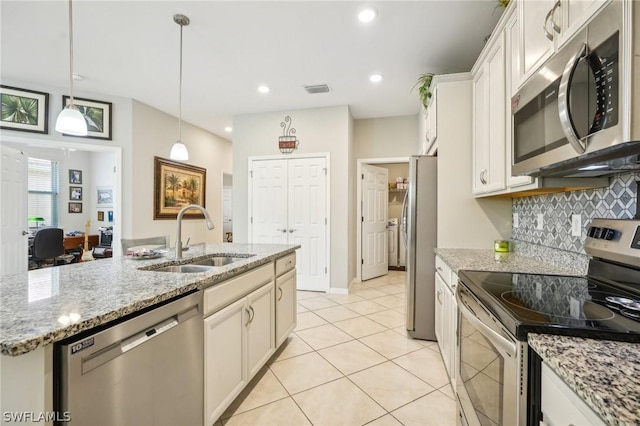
603 373
46 305
488 260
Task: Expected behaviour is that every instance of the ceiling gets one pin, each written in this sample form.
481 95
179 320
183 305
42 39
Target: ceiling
131 49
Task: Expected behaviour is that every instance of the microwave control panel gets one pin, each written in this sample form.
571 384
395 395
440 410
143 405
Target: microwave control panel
603 62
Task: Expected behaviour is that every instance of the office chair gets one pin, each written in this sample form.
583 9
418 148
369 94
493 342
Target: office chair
156 242
48 243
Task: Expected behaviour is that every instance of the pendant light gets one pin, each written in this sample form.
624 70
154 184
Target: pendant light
70 121
179 150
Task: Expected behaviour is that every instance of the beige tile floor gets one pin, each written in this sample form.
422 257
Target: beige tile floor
350 362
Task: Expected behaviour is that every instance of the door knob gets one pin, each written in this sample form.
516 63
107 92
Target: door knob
292 230
281 230
25 233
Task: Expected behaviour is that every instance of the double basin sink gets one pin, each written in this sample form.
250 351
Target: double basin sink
203 265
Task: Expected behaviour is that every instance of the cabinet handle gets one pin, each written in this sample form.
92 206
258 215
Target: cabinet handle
253 314
248 317
280 290
555 26
550 16
440 296
482 177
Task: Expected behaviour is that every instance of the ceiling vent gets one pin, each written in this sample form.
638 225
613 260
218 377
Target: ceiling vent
318 88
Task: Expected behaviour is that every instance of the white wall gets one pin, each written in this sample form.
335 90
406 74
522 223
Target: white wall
103 174
318 130
386 137
154 132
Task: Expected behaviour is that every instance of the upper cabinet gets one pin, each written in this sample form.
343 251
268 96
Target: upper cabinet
546 25
489 119
428 129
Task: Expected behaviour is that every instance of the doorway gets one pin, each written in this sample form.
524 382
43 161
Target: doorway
395 167
18 236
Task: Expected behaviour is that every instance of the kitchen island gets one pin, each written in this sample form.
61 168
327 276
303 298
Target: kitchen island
41 307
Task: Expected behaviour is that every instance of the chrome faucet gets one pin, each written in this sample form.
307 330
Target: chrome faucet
179 231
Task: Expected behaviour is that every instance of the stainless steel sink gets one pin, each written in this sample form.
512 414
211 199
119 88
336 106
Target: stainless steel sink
202 265
184 269
218 261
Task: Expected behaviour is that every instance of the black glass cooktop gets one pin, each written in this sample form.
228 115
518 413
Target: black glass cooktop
554 304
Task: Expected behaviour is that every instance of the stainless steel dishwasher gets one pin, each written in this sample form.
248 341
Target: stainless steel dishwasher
147 370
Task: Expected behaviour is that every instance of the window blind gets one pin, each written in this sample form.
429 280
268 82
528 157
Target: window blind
44 189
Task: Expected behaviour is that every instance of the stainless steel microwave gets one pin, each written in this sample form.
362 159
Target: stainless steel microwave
575 116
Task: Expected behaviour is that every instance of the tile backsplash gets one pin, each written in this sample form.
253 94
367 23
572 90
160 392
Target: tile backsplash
618 200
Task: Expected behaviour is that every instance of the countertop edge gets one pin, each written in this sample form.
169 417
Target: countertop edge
21 347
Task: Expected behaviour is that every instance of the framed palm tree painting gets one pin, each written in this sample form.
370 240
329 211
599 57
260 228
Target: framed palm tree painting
24 110
177 185
97 114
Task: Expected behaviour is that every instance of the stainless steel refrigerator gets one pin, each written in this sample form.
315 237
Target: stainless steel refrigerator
419 226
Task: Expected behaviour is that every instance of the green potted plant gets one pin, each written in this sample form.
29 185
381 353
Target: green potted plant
424 85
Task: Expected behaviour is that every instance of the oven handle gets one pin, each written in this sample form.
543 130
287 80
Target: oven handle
564 108
498 341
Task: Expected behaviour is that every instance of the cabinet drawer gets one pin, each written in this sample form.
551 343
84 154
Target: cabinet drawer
444 270
285 264
223 294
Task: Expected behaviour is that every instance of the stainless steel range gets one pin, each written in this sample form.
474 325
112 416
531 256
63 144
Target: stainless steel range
498 375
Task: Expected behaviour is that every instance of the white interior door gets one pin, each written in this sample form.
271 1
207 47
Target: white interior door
13 212
307 221
268 222
375 199
288 205
227 211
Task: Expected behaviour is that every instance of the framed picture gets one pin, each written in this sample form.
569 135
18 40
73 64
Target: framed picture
100 216
75 176
75 193
24 110
75 207
97 114
105 196
110 215
177 185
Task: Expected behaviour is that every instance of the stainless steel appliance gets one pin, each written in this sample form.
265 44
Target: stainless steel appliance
420 238
576 116
146 370
499 376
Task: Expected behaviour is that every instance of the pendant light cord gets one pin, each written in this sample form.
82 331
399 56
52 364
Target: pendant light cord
180 92
71 52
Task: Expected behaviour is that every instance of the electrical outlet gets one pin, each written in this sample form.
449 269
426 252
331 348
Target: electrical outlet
540 222
576 225
516 220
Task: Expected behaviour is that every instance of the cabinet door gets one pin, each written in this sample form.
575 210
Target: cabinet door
260 321
495 161
576 13
536 47
513 74
286 310
224 354
480 129
453 324
448 330
440 313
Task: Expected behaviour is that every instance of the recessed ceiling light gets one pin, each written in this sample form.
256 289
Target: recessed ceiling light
263 89
375 78
368 14
228 129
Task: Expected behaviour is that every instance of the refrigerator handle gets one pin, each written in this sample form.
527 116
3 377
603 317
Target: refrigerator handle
403 225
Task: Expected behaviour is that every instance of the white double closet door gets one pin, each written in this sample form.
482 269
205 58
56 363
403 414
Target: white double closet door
288 205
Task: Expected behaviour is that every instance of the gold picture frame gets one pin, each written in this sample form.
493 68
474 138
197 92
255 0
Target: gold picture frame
177 185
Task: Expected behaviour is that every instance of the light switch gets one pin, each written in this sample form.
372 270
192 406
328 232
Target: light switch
516 220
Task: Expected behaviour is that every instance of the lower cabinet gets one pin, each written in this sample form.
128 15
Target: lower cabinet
446 316
245 319
562 406
286 312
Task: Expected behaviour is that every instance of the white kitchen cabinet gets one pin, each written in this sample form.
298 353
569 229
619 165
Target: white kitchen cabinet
560 405
546 25
446 315
489 119
536 45
286 306
239 335
429 126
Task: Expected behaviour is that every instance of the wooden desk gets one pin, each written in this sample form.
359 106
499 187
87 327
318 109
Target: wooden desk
71 243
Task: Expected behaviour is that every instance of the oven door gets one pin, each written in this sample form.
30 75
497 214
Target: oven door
490 383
